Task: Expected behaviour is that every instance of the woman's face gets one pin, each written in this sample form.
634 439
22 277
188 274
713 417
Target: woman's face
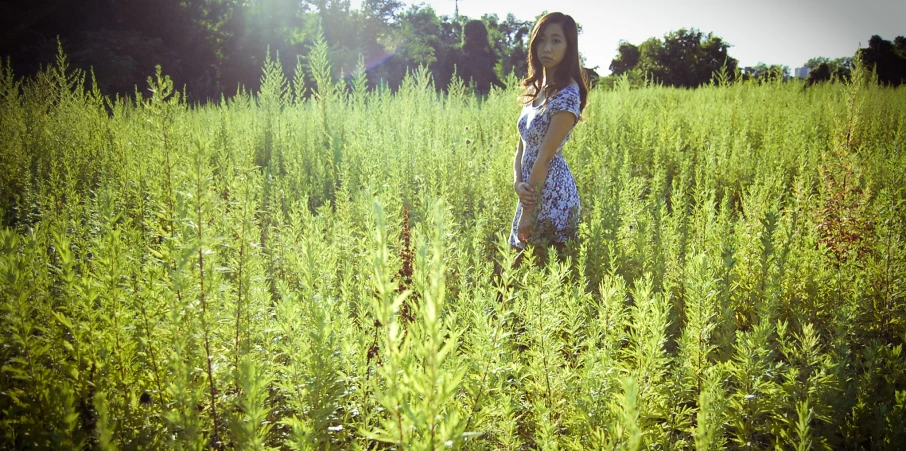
551 47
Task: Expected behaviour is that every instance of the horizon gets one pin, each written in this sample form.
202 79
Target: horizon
764 32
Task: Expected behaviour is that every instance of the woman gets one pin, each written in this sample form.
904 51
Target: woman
555 95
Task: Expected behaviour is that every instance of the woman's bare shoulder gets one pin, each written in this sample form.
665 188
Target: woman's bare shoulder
571 88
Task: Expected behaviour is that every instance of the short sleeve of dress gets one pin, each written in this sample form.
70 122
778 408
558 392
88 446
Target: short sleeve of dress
566 100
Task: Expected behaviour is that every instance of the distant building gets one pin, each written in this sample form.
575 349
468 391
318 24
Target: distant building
801 72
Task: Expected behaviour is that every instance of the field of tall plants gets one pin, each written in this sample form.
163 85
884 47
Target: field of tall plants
329 269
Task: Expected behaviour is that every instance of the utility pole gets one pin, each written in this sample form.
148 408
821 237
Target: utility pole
456 11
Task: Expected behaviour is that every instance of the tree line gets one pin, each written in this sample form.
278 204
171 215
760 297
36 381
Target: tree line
690 58
214 47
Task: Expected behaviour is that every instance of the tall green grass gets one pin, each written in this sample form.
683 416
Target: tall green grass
329 269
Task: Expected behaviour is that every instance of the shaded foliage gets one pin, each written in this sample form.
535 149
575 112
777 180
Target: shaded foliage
475 60
214 47
818 74
509 39
123 40
627 58
683 58
690 58
887 58
764 72
838 69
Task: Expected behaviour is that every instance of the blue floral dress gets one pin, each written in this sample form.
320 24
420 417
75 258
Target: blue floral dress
558 211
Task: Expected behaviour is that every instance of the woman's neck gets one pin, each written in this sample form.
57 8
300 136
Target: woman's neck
548 78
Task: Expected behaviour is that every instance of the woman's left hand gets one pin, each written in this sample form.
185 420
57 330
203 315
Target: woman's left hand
526 225
526 194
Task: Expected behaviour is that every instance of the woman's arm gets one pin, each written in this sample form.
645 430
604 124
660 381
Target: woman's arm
525 191
517 164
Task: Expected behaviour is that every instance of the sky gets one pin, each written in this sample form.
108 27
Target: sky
785 32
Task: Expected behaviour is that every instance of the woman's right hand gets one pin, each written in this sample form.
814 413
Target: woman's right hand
526 194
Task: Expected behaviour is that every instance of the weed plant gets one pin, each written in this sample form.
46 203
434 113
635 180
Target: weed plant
329 270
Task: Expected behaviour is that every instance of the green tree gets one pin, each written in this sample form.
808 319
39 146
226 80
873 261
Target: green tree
378 20
814 62
249 29
417 41
122 40
884 57
684 58
839 68
765 72
509 39
627 58
899 46
475 60
820 73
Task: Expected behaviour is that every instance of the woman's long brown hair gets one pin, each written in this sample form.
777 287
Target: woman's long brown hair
568 69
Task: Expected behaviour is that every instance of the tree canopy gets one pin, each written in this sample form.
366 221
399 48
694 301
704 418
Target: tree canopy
887 58
683 58
690 58
819 73
839 68
214 46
